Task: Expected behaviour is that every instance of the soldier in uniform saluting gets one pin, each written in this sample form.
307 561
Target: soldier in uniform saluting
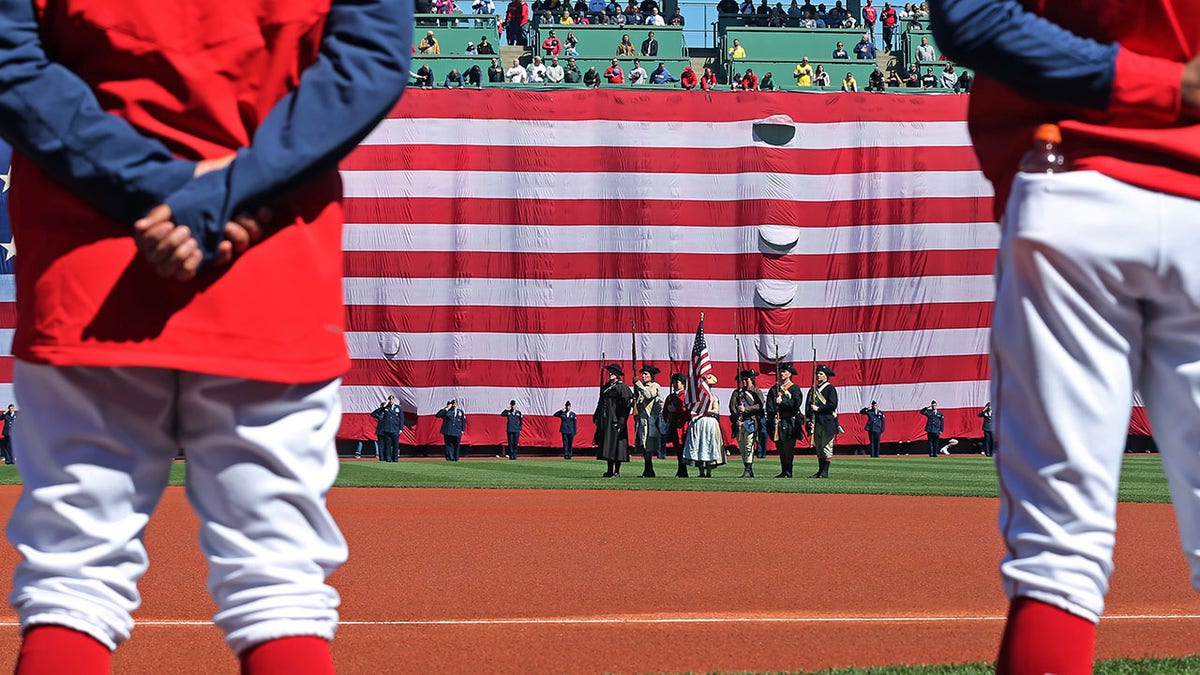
647 405
822 412
612 421
746 408
784 401
390 422
876 423
989 444
935 423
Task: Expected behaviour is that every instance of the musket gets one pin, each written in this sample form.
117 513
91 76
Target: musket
778 417
741 390
632 341
809 414
603 371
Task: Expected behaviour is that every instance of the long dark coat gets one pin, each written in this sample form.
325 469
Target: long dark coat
612 422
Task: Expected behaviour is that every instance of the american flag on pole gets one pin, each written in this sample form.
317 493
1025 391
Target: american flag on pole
496 239
699 395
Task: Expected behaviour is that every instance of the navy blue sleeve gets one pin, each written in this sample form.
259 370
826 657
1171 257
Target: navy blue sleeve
51 116
1025 51
359 75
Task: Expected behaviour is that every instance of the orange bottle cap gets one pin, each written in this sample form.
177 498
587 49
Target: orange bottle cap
1048 133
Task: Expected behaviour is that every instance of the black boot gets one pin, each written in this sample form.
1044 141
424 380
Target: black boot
682 471
749 471
746 472
820 467
648 471
609 473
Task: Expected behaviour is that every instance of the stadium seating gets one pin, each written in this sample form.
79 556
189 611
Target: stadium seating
442 65
786 44
454 31
781 72
602 41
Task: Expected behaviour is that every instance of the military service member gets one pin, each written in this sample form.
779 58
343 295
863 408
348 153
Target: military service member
784 401
746 410
876 423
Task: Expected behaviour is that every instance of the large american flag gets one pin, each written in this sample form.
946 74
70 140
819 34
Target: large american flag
699 394
496 240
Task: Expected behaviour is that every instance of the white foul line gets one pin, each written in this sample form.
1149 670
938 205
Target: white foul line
617 620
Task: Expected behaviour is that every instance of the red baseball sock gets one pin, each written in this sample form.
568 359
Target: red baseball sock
1041 639
300 655
50 650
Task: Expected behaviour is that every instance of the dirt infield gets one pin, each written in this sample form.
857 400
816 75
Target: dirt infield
457 581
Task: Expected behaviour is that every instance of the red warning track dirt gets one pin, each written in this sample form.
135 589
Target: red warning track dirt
458 581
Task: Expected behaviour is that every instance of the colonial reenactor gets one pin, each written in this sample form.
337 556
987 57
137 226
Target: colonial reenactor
647 408
390 421
935 423
566 427
612 421
675 412
876 423
821 409
705 448
746 412
989 444
784 403
514 421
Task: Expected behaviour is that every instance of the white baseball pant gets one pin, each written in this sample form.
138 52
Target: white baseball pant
1098 292
96 449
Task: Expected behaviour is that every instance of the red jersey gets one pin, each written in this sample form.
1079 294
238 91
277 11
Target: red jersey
1141 138
85 295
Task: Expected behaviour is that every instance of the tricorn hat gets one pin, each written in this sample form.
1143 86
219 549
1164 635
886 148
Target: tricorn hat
647 368
786 366
680 378
749 374
822 368
615 369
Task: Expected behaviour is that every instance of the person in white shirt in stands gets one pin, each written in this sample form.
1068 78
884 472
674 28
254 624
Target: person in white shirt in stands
949 77
537 70
471 50
925 51
638 74
654 18
554 72
517 73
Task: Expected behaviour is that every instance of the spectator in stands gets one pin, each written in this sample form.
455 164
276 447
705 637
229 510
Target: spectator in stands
646 6
913 77
580 9
929 80
688 79
840 51
763 10
473 76
888 19
837 15
661 75
571 48
537 70
471 50
925 51
735 84
613 74
612 8
483 7
625 47
823 16
875 80
571 74
777 18
893 79
865 50
632 14
495 72
736 51
654 18
949 77
485 47
803 73
429 44
566 18
516 17
821 78
596 6
591 78
552 46
676 18
424 77
906 14
747 9
708 80
517 73
453 78
650 45
546 18
963 85
849 83
554 72
727 7
794 10
767 83
750 80
870 13
637 75
807 20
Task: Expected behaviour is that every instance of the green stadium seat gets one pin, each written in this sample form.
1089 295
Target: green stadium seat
602 41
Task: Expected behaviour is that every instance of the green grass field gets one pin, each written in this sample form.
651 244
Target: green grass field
1142 480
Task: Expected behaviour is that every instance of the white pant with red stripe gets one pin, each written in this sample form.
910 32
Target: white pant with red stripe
1098 293
96 447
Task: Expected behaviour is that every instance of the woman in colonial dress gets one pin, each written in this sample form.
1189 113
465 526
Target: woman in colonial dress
704 448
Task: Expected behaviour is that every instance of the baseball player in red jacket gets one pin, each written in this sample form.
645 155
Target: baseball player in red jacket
1098 287
155 314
